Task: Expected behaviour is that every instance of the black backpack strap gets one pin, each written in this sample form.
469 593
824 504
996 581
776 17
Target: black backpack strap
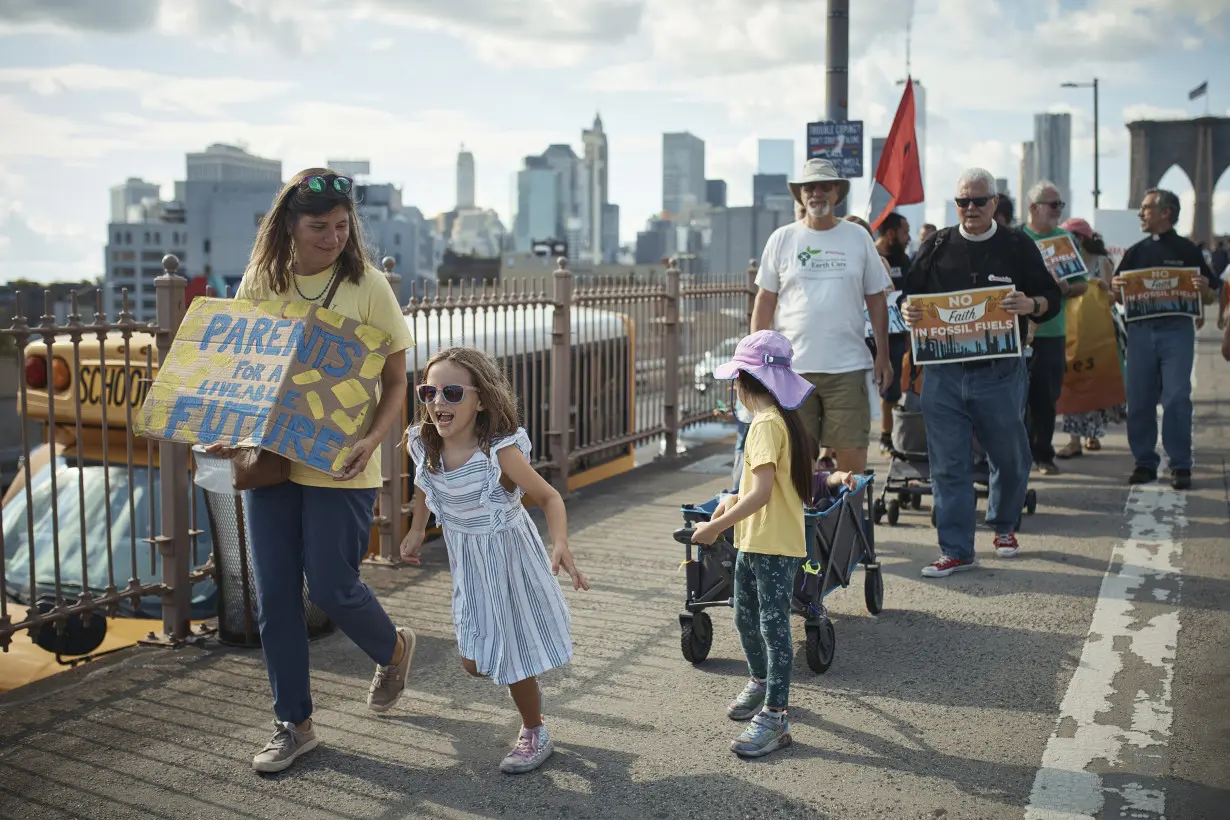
333 286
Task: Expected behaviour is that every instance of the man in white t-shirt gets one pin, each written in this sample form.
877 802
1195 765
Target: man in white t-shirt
815 277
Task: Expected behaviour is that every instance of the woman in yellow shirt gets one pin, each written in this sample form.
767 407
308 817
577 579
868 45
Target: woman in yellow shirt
769 531
316 526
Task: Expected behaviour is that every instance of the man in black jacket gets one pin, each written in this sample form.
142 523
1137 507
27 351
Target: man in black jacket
1161 349
986 399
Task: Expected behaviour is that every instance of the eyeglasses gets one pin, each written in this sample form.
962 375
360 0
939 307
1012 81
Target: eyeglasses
976 201
322 184
453 393
1054 206
823 186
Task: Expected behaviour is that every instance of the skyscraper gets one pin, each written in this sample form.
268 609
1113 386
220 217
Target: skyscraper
1053 152
465 178
715 193
1029 174
776 157
683 174
595 217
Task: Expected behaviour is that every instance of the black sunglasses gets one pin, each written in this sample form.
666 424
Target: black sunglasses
453 393
976 201
322 184
1055 206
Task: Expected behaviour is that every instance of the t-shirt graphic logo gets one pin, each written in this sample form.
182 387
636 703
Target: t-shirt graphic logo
807 253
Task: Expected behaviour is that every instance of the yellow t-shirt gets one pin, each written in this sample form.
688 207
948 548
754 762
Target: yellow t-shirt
372 302
777 527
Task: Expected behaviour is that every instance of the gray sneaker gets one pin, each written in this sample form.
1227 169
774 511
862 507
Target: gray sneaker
748 702
287 744
390 681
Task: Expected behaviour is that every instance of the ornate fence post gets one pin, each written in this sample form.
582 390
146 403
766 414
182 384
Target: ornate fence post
174 543
389 503
670 355
752 268
559 436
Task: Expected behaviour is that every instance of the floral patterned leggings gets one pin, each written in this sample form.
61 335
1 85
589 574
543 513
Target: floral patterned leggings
763 585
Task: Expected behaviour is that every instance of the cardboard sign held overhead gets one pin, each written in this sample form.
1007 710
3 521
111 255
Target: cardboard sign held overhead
290 377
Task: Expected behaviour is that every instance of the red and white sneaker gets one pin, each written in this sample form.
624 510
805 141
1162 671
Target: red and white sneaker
1006 545
946 566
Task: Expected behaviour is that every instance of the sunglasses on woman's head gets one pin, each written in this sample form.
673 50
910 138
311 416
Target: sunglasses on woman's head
329 182
453 393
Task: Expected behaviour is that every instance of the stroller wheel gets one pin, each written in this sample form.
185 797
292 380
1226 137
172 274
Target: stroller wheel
1031 501
894 512
873 590
821 646
696 637
933 516
879 510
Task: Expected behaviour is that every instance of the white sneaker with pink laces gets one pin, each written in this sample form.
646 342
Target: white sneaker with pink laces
946 566
533 748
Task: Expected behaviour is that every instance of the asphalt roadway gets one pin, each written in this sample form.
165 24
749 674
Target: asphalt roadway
1089 677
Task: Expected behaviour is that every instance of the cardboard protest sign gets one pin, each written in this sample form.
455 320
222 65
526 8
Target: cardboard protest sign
1152 292
290 377
896 323
964 326
1061 256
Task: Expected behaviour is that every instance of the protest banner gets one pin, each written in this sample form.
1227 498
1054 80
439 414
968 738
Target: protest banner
1061 256
1093 378
964 326
1152 292
896 322
290 377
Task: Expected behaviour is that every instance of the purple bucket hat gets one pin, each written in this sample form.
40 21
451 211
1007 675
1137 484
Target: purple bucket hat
766 354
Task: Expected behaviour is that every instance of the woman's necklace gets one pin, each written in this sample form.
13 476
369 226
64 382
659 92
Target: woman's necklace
294 277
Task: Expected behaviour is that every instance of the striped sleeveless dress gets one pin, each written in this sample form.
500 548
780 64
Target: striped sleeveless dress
508 610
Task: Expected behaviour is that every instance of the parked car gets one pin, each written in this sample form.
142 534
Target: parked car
702 371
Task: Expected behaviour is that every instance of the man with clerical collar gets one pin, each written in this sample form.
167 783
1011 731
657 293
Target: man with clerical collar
1161 349
1050 341
983 398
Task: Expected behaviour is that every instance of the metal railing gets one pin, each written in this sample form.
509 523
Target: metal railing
600 366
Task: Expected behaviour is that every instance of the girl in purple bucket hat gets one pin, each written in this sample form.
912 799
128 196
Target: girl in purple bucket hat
769 532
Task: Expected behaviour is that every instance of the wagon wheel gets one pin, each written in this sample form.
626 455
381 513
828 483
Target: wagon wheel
696 638
821 646
894 512
873 590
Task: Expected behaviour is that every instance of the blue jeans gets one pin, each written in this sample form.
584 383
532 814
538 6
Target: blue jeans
321 533
1160 353
959 402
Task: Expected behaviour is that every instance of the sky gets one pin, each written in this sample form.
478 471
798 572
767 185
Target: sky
95 91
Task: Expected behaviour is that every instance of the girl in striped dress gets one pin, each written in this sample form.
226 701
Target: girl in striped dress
471 468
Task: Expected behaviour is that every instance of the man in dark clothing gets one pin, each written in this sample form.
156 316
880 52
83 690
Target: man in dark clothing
1221 257
983 399
892 243
1161 349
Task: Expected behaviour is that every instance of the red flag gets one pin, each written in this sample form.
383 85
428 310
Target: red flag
899 172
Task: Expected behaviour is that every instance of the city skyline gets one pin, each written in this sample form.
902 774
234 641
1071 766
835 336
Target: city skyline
104 98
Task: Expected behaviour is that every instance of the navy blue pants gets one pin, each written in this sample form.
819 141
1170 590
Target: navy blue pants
321 533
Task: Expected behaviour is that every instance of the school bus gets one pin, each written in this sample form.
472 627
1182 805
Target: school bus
99 467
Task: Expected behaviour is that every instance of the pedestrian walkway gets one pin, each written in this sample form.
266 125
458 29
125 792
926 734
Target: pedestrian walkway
974 696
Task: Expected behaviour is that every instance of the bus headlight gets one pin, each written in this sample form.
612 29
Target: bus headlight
61 374
36 371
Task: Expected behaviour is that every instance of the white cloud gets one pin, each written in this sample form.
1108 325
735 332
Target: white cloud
45 250
202 96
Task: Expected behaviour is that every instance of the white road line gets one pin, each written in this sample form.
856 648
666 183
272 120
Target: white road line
1136 621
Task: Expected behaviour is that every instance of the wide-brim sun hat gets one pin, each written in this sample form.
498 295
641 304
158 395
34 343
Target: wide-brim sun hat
766 355
818 170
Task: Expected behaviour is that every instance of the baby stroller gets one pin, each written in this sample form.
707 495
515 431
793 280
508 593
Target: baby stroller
909 473
840 536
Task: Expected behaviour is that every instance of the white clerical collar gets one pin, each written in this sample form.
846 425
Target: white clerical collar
982 237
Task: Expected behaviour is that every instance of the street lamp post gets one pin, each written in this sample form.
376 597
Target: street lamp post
1094 85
